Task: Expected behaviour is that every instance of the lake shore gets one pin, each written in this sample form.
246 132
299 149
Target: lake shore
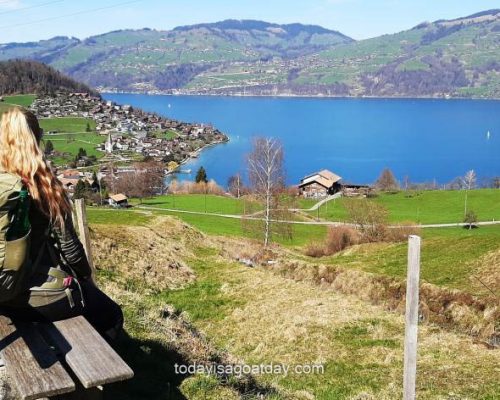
292 96
428 141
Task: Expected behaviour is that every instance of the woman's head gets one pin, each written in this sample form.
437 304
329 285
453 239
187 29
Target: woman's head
20 154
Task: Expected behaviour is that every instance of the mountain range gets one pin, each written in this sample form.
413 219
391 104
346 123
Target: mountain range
445 58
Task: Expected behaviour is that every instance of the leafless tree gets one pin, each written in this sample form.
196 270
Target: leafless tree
370 217
406 182
469 182
235 185
495 182
387 181
145 180
267 180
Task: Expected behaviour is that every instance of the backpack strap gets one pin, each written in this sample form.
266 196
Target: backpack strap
58 277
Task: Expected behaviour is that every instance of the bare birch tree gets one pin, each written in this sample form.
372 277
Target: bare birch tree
267 178
234 185
469 182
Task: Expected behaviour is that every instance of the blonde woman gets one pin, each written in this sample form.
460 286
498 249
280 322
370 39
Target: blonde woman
57 285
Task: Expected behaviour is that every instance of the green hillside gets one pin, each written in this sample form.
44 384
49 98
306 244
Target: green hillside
456 58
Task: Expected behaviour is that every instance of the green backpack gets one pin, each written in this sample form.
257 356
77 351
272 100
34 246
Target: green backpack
15 231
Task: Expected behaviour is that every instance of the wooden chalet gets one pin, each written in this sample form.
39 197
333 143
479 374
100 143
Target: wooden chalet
320 184
118 200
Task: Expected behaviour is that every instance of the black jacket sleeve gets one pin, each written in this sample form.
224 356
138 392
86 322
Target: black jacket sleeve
71 249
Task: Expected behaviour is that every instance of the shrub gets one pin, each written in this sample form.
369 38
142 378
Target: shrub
387 181
370 217
315 250
188 187
339 238
470 219
400 232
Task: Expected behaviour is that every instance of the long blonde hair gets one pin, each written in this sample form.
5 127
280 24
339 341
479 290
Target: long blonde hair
20 154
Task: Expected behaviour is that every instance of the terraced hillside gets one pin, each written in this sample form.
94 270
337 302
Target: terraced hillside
150 59
457 58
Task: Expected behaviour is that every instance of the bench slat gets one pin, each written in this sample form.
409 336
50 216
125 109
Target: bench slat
90 357
31 364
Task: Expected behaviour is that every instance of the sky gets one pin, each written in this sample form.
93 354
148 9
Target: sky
32 20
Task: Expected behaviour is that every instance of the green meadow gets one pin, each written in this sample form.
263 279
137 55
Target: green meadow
261 317
424 207
23 100
68 135
209 203
67 124
18 100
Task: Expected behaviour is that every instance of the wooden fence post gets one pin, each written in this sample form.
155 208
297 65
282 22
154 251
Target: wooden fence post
411 324
83 230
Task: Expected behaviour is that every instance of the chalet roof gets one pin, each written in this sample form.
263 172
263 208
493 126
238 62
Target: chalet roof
69 181
70 172
330 175
324 177
118 197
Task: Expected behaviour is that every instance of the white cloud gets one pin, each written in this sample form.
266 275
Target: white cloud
336 1
10 4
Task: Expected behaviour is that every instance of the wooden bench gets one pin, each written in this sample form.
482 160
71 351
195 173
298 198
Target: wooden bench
45 360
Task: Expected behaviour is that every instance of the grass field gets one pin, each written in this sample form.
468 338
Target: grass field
20 100
71 135
67 125
451 257
108 216
208 224
199 202
260 317
23 100
302 234
425 207
265 319
71 143
169 134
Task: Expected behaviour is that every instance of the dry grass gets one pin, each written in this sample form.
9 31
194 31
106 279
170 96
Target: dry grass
315 250
338 317
154 255
159 334
282 321
338 238
401 231
488 276
448 308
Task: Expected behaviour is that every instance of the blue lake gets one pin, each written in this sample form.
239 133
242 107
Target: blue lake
355 138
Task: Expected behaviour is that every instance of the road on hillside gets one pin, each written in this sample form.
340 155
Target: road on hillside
326 223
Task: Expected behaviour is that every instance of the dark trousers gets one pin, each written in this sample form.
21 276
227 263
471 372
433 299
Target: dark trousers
103 313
